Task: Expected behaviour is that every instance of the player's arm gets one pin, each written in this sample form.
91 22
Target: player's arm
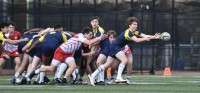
138 40
47 30
93 50
156 36
15 41
33 30
33 46
27 45
69 32
95 40
41 39
85 54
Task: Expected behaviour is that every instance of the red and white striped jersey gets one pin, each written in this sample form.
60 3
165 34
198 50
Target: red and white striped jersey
11 47
73 43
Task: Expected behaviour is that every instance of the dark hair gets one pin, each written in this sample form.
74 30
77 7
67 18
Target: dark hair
3 24
86 30
130 20
111 32
94 17
57 26
11 23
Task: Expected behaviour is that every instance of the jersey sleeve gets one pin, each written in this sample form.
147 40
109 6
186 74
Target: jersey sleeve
81 37
41 39
128 35
2 38
137 33
64 37
30 42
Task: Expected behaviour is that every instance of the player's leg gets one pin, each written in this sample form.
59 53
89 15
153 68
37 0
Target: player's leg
72 66
88 60
22 66
129 66
34 64
122 57
114 65
17 62
100 60
2 62
100 69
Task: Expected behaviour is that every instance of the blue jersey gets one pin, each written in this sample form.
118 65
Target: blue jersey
54 38
22 44
51 41
104 43
125 37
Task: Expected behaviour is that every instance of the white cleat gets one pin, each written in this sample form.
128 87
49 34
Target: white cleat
120 81
91 80
18 81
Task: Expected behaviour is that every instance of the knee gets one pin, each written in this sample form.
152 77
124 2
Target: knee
72 66
52 69
124 61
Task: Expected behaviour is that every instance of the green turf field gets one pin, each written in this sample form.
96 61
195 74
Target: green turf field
144 84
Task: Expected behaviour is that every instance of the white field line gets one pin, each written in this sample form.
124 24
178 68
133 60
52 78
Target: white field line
27 87
157 76
146 83
188 81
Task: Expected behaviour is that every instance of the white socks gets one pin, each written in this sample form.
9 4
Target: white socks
16 75
101 76
42 74
120 70
97 71
74 73
62 68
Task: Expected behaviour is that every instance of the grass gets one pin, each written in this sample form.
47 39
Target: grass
144 84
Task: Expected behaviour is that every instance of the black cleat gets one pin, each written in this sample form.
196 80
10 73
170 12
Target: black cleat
13 80
23 81
100 83
53 82
35 83
58 81
32 74
46 79
65 82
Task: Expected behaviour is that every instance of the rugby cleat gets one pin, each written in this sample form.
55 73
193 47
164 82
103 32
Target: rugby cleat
91 80
120 81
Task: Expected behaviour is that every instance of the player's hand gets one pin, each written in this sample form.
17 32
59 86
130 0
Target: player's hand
91 53
103 36
157 36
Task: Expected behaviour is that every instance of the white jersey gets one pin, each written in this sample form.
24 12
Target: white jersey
73 43
10 47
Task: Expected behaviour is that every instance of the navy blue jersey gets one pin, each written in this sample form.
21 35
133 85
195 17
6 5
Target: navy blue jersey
22 44
103 43
125 37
